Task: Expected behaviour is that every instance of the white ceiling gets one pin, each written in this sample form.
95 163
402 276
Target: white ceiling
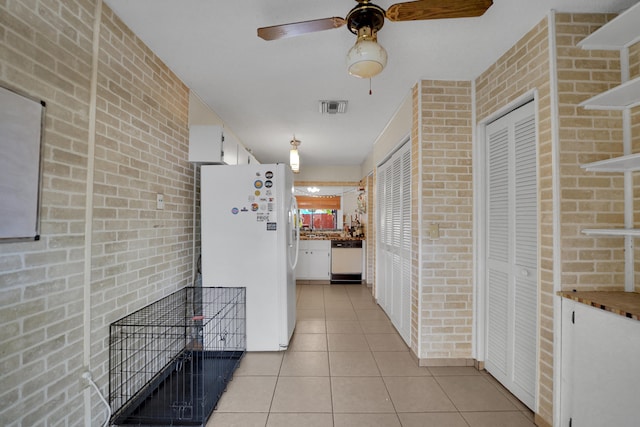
267 91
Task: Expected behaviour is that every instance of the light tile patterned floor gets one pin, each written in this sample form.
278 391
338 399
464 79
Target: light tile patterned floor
346 366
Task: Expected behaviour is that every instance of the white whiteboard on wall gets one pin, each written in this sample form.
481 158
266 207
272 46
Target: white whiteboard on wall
21 124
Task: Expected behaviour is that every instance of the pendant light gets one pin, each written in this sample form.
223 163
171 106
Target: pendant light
294 156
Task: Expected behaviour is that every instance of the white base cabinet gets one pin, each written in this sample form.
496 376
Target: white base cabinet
600 367
314 260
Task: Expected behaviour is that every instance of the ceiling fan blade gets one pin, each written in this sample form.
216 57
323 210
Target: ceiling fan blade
297 28
437 9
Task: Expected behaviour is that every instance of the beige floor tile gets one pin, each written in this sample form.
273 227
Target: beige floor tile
347 342
516 402
302 394
397 363
229 419
360 395
260 363
440 371
308 342
311 327
474 393
497 419
352 364
344 327
357 289
335 290
386 342
310 313
377 327
248 394
363 303
371 314
297 420
309 302
417 394
366 420
342 332
337 303
305 364
340 313
434 419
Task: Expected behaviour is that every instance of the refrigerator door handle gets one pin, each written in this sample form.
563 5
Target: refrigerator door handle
295 230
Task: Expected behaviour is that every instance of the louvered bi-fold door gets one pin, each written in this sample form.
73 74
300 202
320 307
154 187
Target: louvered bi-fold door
512 252
393 256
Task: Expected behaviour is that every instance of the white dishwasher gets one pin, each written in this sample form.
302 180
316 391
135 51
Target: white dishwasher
346 261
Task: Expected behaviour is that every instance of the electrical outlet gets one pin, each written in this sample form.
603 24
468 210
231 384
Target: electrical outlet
159 201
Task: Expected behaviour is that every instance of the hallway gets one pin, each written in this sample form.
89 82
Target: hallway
346 366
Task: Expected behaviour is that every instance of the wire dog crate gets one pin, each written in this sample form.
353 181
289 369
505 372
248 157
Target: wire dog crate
170 361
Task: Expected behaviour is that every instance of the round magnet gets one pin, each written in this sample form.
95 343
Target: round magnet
257 192
254 207
268 175
257 183
268 184
235 211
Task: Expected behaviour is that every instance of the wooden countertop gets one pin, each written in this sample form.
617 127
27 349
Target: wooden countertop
625 304
330 238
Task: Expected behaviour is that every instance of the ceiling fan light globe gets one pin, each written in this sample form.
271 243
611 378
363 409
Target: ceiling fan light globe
366 59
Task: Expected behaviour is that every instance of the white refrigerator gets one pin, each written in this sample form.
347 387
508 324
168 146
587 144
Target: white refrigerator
250 239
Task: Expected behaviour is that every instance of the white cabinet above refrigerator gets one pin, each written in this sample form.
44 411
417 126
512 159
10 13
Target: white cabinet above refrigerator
209 144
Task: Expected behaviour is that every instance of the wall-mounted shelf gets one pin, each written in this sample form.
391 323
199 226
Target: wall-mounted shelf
626 95
633 232
629 163
619 34
616 34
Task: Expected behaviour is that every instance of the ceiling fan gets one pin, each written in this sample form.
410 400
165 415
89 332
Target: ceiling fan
367 58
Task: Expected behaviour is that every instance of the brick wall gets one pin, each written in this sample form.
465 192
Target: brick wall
634 72
521 69
447 201
416 238
41 292
138 253
370 232
589 200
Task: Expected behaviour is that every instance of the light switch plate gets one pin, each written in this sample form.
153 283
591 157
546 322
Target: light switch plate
434 231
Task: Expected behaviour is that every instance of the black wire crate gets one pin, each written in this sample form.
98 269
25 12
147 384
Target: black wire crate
170 361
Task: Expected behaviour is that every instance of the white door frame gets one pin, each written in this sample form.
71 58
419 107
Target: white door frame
479 159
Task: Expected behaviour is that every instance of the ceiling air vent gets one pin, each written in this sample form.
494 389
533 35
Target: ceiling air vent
333 107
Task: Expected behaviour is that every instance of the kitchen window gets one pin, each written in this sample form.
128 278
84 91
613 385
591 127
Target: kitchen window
319 212
319 219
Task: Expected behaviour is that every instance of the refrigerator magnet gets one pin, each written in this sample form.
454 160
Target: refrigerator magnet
235 211
257 183
272 226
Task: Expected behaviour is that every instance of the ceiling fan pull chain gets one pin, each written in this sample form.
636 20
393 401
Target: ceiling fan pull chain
370 86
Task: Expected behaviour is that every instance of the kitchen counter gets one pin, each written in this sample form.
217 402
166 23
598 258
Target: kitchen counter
626 304
329 237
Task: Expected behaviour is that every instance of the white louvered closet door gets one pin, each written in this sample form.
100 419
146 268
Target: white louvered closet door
512 252
393 256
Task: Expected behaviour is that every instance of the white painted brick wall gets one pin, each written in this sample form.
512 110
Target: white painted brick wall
138 254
